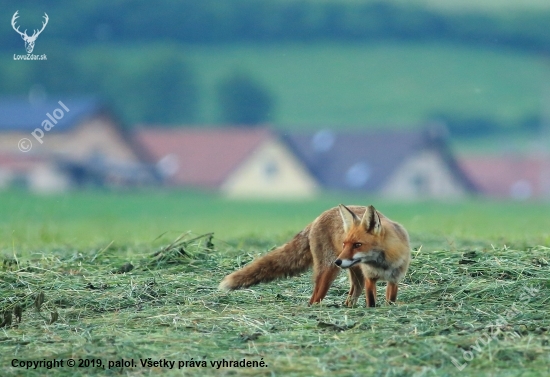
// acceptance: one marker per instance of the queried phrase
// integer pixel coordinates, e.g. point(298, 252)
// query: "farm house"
point(400, 165)
point(47, 147)
point(239, 162)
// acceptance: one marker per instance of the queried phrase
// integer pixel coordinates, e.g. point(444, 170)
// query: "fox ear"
point(348, 218)
point(371, 220)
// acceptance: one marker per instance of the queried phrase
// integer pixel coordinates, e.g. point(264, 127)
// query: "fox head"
point(362, 242)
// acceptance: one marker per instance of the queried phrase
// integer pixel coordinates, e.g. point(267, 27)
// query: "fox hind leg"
point(323, 280)
point(356, 280)
point(391, 292)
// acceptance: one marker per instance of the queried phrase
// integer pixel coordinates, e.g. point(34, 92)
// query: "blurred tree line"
point(216, 21)
point(163, 88)
point(471, 127)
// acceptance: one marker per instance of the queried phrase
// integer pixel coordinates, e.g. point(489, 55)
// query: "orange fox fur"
point(360, 239)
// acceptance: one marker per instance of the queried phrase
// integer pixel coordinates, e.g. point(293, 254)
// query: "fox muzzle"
point(346, 263)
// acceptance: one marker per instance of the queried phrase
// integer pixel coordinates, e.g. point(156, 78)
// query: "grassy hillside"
point(313, 85)
point(357, 84)
point(324, 62)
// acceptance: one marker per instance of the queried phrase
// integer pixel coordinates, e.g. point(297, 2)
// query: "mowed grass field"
point(474, 302)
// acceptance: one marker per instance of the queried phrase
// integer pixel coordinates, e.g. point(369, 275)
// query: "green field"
point(93, 218)
point(472, 262)
point(324, 84)
point(353, 85)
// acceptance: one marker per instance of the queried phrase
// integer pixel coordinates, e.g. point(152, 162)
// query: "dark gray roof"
point(18, 114)
point(364, 160)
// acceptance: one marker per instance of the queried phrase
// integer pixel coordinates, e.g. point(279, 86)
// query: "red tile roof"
point(201, 157)
point(20, 162)
point(509, 176)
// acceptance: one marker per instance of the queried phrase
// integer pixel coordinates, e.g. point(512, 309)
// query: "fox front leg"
point(370, 288)
point(356, 280)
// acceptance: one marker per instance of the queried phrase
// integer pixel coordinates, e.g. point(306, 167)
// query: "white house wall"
point(271, 171)
point(422, 176)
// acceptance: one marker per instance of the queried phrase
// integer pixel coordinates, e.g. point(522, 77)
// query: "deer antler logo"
point(29, 40)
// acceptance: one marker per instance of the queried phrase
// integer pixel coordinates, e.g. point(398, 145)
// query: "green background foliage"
point(341, 64)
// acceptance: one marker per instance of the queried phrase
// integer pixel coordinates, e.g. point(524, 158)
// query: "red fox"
point(360, 239)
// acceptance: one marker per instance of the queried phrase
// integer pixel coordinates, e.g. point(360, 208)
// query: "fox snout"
point(346, 263)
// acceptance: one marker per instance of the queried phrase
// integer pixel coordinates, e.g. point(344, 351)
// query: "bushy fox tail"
point(291, 259)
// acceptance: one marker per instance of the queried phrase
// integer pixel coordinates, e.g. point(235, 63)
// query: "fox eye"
point(357, 245)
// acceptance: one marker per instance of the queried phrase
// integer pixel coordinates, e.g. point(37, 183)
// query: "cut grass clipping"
point(469, 310)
